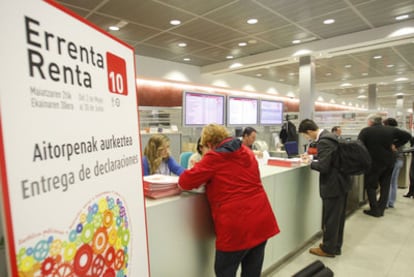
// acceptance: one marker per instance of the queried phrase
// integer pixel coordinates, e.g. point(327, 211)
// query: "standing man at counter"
point(248, 138)
point(337, 131)
point(333, 188)
point(381, 142)
point(242, 215)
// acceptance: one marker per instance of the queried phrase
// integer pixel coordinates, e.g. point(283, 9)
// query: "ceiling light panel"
point(329, 21)
point(380, 14)
point(143, 12)
point(298, 10)
point(235, 17)
point(215, 29)
point(283, 36)
point(132, 32)
point(345, 21)
point(171, 41)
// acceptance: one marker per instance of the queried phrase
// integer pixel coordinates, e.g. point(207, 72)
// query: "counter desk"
point(181, 235)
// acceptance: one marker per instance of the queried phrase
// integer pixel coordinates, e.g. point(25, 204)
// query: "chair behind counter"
point(184, 158)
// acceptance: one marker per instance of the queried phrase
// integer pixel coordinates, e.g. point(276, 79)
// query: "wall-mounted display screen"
point(350, 116)
point(200, 109)
point(271, 112)
point(242, 111)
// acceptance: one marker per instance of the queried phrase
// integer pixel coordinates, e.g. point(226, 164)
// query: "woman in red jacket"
point(242, 215)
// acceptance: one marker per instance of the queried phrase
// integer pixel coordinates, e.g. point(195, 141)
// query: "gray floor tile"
point(380, 247)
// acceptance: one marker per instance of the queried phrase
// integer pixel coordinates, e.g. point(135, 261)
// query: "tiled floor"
point(377, 247)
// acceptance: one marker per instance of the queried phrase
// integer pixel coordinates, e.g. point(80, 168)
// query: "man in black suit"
point(333, 188)
point(381, 142)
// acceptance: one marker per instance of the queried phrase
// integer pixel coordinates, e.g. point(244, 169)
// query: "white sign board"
point(71, 177)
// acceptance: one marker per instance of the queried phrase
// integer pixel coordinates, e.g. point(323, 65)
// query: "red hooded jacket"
point(242, 215)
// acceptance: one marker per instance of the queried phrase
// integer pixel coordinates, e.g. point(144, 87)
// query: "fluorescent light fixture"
point(302, 52)
point(242, 44)
point(377, 57)
point(252, 21)
point(402, 32)
point(348, 66)
point(361, 96)
point(235, 65)
point(296, 41)
point(329, 21)
point(390, 65)
point(248, 87)
point(401, 79)
point(346, 85)
point(320, 99)
point(182, 44)
point(118, 25)
point(229, 57)
point(113, 28)
point(187, 59)
point(290, 94)
point(402, 17)
point(175, 22)
point(272, 91)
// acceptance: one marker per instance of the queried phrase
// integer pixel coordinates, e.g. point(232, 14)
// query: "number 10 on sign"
point(117, 79)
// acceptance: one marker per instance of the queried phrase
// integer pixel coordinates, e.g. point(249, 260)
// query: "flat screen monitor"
point(200, 109)
point(271, 112)
point(242, 111)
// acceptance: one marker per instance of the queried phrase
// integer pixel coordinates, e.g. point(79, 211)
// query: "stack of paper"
point(158, 186)
point(284, 162)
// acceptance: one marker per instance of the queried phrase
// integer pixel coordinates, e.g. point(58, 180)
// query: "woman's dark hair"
point(199, 146)
point(248, 130)
point(390, 122)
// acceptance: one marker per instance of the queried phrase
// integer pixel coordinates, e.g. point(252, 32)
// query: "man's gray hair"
point(376, 119)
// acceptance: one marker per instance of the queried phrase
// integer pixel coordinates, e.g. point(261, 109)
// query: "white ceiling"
point(212, 30)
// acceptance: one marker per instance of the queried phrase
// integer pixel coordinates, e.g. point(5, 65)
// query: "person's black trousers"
point(333, 223)
point(378, 175)
point(251, 260)
point(411, 187)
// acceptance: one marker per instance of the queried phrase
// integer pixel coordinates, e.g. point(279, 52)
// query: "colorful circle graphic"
point(96, 245)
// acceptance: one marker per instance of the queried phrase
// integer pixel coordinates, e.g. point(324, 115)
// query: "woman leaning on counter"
point(242, 215)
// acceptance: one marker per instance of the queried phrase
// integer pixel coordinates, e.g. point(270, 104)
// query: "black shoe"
point(408, 195)
point(373, 213)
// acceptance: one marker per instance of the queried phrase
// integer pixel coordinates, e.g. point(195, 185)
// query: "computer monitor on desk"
point(291, 148)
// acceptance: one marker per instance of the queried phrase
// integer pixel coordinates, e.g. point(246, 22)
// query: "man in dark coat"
point(381, 142)
point(333, 189)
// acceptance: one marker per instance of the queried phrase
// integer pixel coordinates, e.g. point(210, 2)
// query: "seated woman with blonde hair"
point(157, 158)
